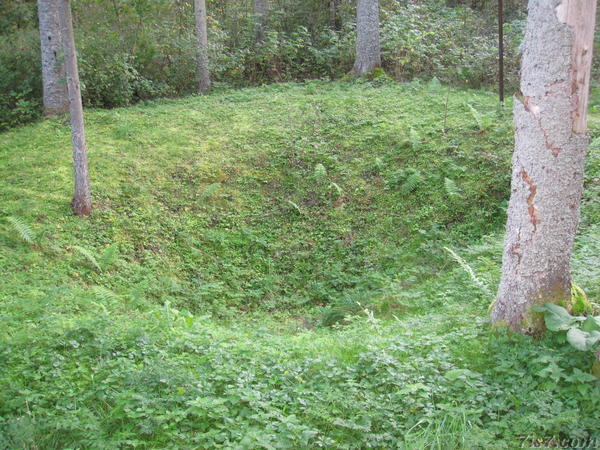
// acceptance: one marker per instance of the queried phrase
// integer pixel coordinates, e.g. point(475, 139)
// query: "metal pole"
point(501, 50)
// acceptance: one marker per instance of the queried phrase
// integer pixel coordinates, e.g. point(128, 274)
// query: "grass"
point(265, 268)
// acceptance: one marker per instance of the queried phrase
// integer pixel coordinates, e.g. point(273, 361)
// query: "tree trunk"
point(333, 14)
point(56, 101)
point(261, 9)
point(82, 200)
point(368, 53)
point(202, 38)
point(548, 162)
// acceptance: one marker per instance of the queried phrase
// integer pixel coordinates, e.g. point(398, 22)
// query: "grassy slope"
point(297, 200)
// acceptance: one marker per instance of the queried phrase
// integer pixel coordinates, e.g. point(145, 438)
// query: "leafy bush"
point(144, 50)
point(20, 79)
point(428, 39)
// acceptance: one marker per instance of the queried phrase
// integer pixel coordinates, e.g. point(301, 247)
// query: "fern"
point(451, 187)
point(24, 230)
point(337, 188)
point(89, 256)
point(320, 172)
point(415, 139)
point(484, 288)
point(105, 295)
point(210, 191)
point(477, 116)
point(411, 183)
point(109, 256)
point(295, 207)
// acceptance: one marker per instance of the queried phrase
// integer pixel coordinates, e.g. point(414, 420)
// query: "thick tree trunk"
point(202, 38)
point(56, 101)
point(548, 163)
point(82, 199)
point(368, 53)
point(261, 9)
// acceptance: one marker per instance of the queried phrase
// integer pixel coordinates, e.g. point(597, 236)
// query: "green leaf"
point(295, 207)
point(411, 183)
point(105, 295)
point(477, 116)
point(109, 256)
point(24, 230)
point(591, 324)
point(320, 172)
point(415, 139)
point(557, 318)
point(455, 374)
point(452, 188)
point(582, 340)
point(210, 191)
point(336, 187)
point(89, 256)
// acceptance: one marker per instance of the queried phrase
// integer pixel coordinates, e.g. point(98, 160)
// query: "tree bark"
point(202, 38)
point(368, 53)
point(56, 101)
point(261, 9)
point(548, 162)
point(82, 199)
point(332, 14)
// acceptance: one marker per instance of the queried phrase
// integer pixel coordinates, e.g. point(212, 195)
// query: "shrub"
point(20, 79)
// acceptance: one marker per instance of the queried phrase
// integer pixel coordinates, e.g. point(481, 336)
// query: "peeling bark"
point(82, 199)
point(56, 101)
point(368, 52)
point(548, 162)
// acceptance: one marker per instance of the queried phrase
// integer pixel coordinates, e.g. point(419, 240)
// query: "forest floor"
point(273, 268)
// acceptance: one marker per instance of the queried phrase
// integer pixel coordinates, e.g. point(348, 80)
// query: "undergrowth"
point(293, 266)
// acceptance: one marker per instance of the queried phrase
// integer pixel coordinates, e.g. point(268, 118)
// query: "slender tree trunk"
point(548, 162)
point(261, 9)
point(368, 53)
point(82, 200)
point(56, 101)
point(333, 14)
point(202, 37)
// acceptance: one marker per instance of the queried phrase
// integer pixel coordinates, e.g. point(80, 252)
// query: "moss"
point(580, 304)
point(532, 322)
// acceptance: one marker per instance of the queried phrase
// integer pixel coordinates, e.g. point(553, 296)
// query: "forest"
point(298, 224)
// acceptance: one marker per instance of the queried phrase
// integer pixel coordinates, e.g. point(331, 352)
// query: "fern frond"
point(320, 172)
point(88, 255)
point(476, 280)
point(295, 207)
point(415, 139)
point(336, 187)
point(451, 188)
point(104, 295)
point(108, 256)
point(477, 116)
point(210, 191)
point(411, 183)
point(24, 230)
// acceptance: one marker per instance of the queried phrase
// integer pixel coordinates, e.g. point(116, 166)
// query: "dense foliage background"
point(143, 49)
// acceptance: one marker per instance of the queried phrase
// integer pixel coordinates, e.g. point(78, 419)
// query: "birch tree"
point(56, 101)
point(548, 162)
point(202, 38)
point(261, 8)
point(368, 52)
point(82, 200)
